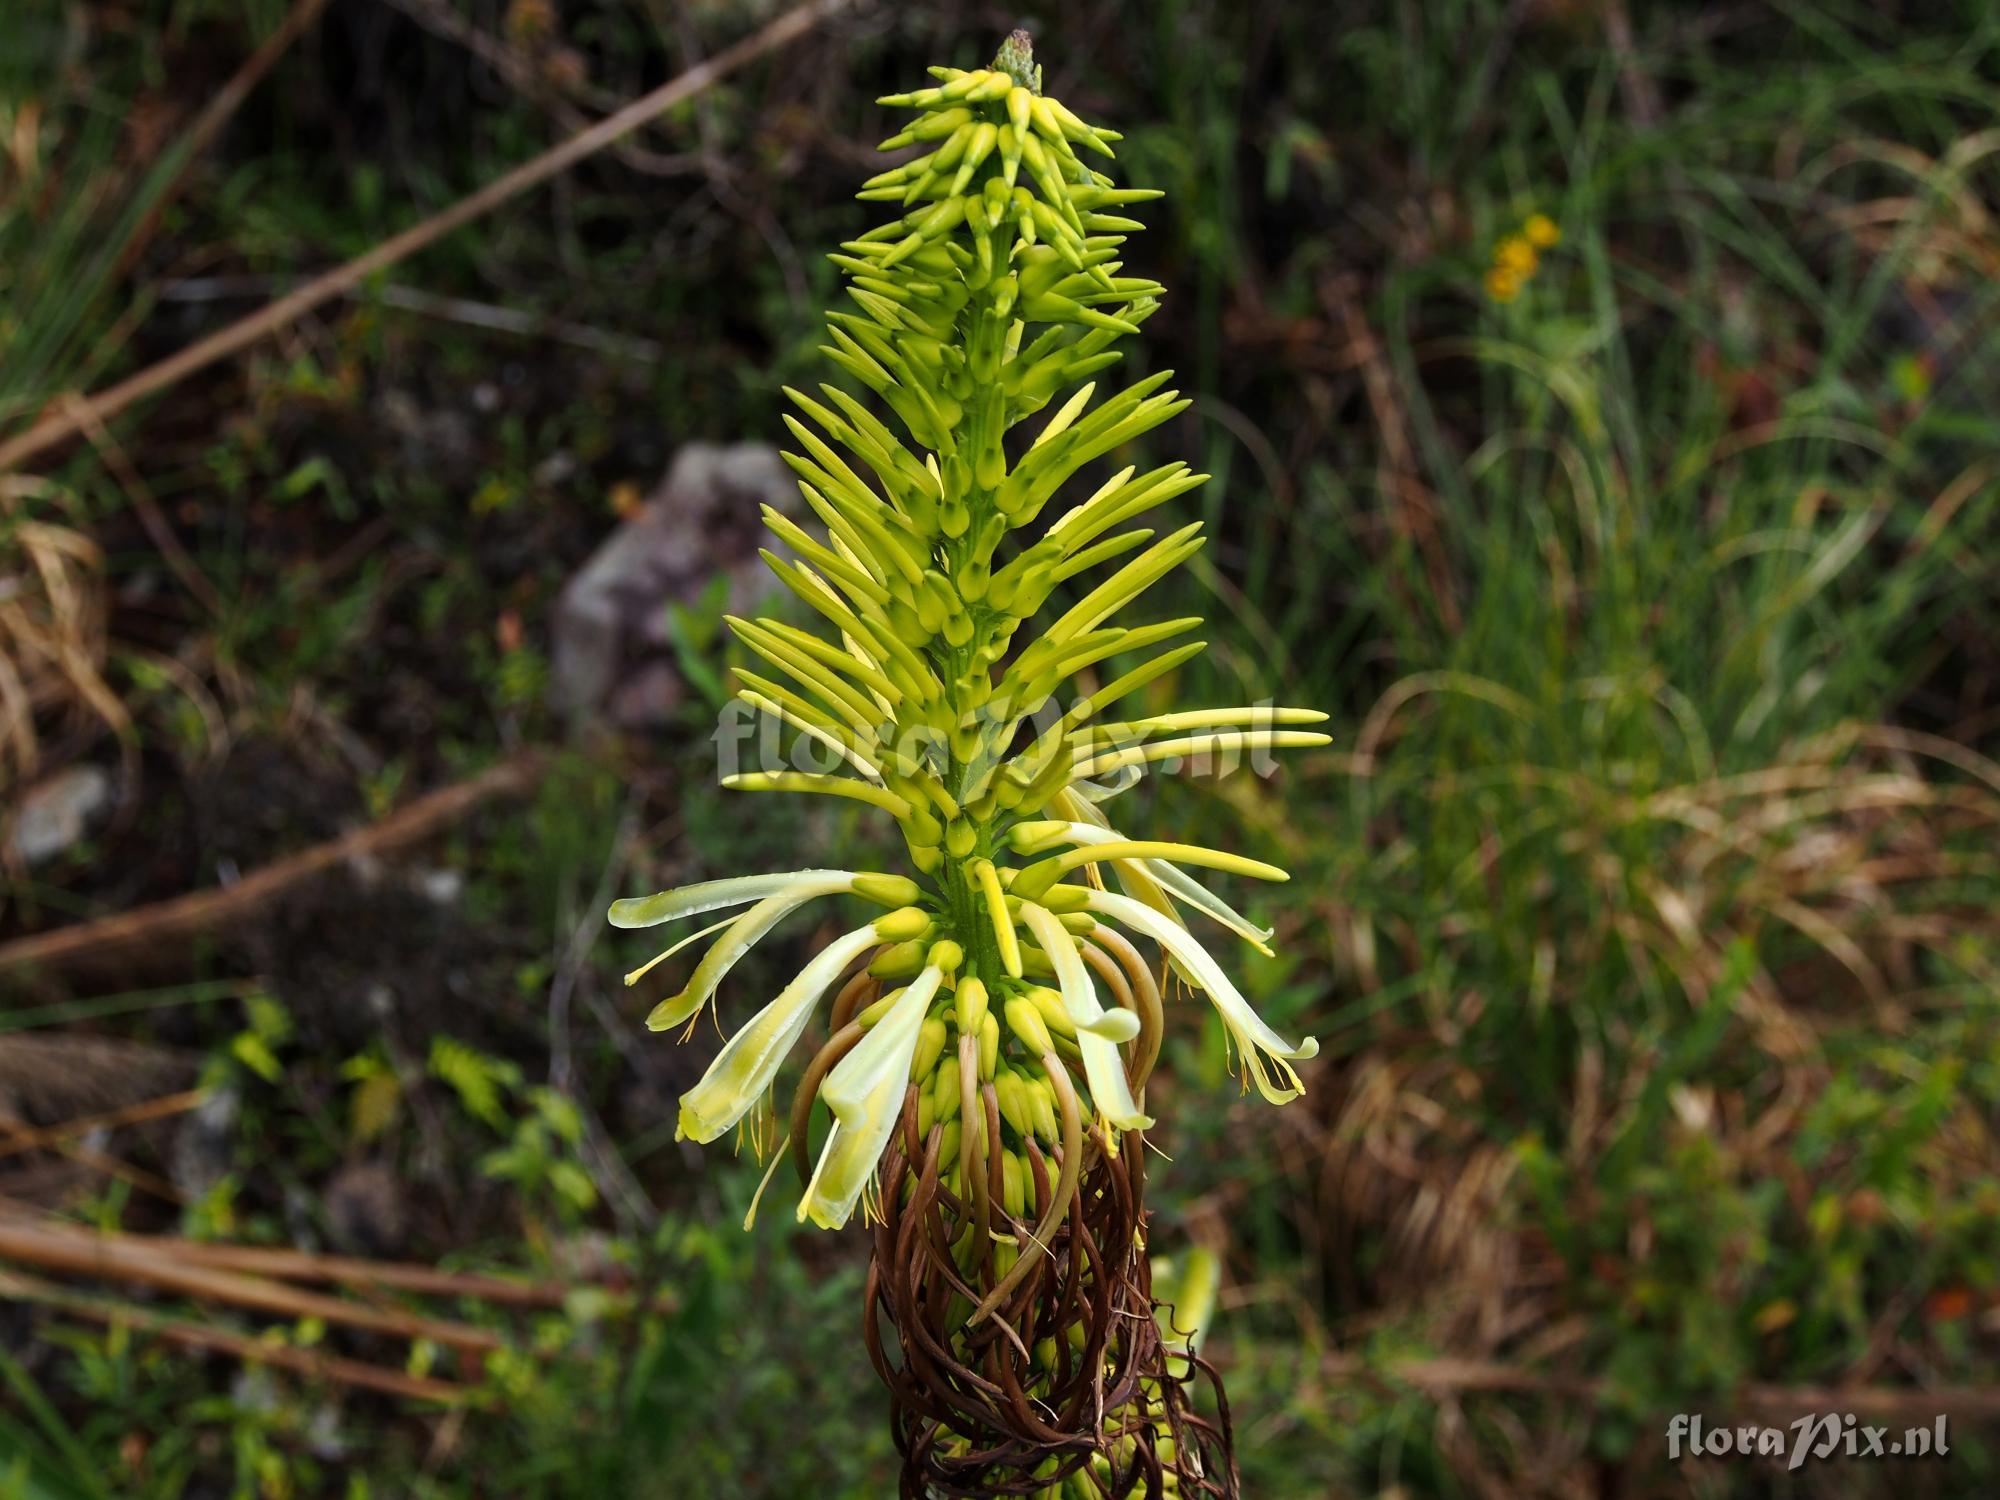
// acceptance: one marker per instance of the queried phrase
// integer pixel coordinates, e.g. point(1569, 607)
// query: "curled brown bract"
point(1065, 1376)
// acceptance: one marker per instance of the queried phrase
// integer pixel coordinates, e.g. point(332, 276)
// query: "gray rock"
point(611, 657)
point(57, 812)
point(439, 887)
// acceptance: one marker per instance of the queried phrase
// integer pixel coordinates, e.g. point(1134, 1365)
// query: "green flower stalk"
point(1003, 1018)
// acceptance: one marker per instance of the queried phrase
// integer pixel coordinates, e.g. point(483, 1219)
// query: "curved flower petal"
point(1253, 1037)
point(743, 934)
point(1185, 888)
point(688, 900)
point(1103, 1068)
point(1181, 885)
point(865, 1093)
point(748, 1062)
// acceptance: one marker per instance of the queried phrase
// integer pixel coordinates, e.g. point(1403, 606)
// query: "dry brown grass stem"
point(336, 1270)
point(130, 1258)
point(314, 1364)
point(168, 925)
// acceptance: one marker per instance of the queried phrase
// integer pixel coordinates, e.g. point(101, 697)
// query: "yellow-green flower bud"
point(1050, 1003)
point(874, 1012)
point(886, 890)
point(1020, 107)
point(1037, 837)
point(989, 1045)
point(1025, 1021)
point(1043, 1099)
point(944, 1088)
point(946, 955)
point(921, 826)
point(903, 924)
point(1013, 1109)
point(900, 961)
point(930, 1042)
point(971, 1002)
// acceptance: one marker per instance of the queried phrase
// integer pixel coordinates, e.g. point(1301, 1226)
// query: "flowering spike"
point(954, 680)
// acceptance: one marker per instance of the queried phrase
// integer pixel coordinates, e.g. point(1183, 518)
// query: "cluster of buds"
point(973, 1062)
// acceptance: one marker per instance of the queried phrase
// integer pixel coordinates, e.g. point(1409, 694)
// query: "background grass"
point(1645, 904)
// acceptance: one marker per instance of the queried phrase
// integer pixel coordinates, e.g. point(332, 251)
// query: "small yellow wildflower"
point(1515, 254)
point(1541, 231)
point(1502, 284)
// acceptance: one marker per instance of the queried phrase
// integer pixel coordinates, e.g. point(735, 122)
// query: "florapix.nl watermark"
point(1816, 1436)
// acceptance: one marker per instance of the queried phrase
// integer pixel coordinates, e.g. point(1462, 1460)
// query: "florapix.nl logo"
point(1816, 1436)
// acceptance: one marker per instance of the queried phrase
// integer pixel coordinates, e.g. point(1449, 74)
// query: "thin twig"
point(522, 74)
point(117, 1257)
point(200, 913)
point(312, 1363)
point(431, 305)
point(180, 562)
point(61, 424)
point(338, 1270)
point(109, 1166)
point(35, 1138)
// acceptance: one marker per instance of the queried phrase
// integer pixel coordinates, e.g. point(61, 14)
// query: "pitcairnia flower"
point(982, 316)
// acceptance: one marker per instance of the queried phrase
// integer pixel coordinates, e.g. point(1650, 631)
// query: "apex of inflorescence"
point(1016, 58)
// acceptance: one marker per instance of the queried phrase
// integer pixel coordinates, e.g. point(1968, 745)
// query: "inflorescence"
point(997, 1021)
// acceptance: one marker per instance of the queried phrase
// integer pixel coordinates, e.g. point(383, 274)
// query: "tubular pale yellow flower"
point(1103, 1067)
point(1254, 1039)
point(743, 1069)
point(1179, 885)
point(865, 1092)
point(1038, 877)
point(738, 939)
point(710, 895)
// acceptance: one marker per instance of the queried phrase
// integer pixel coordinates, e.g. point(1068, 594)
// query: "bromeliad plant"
point(986, 1101)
